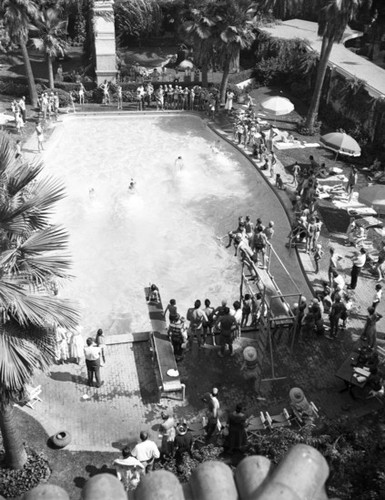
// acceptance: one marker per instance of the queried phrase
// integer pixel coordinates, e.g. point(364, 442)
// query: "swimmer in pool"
point(131, 186)
point(179, 165)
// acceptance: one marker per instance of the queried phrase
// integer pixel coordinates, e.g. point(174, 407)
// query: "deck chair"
point(32, 395)
point(257, 424)
point(303, 419)
point(280, 420)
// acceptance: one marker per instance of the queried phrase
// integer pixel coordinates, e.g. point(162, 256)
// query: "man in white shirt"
point(358, 263)
point(146, 452)
point(92, 355)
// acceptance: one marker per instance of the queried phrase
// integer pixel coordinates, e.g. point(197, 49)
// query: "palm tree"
point(334, 17)
point(198, 29)
point(136, 18)
point(52, 30)
point(32, 254)
point(17, 15)
point(234, 31)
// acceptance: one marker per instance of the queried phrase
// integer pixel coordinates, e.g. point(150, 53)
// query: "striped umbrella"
point(341, 143)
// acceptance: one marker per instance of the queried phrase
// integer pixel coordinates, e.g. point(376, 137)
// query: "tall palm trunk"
point(225, 81)
point(15, 454)
point(29, 73)
point(327, 45)
point(50, 72)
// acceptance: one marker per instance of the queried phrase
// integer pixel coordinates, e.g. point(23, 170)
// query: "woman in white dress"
point(62, 353)
point(77, 345)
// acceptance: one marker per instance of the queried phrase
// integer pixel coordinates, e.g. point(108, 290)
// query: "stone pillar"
point(104, 31)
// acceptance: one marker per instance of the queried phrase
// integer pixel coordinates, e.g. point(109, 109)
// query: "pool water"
point(168, 232)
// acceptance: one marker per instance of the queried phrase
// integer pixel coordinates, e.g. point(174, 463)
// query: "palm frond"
point(43, 267)
point(23, 350)
point(22, 175)
point(9, 223)
point(45, 193)
point(52, 238)
point(38, 43)
point(38, 309)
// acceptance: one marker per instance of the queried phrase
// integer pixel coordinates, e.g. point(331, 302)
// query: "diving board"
point(274, 300)
point(162, 348)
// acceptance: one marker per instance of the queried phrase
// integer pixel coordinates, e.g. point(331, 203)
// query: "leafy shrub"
point(15, 482)
point(300, 89)
point(303, 129)
point(97, 95)
point(189, 463)
point(241, 76)
point(64, 97)
point(128, 96)
point(13, 88)
point(282, 61)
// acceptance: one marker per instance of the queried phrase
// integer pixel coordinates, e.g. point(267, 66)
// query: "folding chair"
point(257, 424)
point(280, 420)
point(32, 395)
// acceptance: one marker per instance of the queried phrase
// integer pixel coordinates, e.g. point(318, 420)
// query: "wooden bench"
point(162, 349)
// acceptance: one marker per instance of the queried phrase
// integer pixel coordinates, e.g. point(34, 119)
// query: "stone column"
point(104, 31)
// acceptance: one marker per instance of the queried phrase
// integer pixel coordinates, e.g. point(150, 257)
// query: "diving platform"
point(276, 317)
point(162, 349)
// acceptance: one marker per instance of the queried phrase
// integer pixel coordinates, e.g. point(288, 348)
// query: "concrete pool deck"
point(127, 403)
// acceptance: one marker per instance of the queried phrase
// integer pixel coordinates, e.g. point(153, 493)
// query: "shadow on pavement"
point(145, 369)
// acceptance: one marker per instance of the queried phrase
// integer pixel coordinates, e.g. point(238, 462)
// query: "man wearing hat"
point(183, 443)
point(128, 469)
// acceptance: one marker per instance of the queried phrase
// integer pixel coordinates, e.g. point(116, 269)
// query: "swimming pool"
point(167, 232)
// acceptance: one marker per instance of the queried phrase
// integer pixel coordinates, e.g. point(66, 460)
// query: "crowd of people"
point(178, 439)
point(221, 325)
point(70, 347)
point(163, 97)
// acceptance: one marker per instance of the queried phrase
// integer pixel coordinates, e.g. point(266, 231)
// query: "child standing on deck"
point(318, 254)
point(172, 310)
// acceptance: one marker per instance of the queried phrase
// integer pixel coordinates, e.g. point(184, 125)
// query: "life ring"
point(61, 439)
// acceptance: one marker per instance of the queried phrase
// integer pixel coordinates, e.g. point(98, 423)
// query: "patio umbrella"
point(278, 106)
point(186, 64)
point(374, 197)
point(341, 143)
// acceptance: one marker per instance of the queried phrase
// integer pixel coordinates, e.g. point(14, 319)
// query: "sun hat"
point(181, 429)
point(296, 395)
